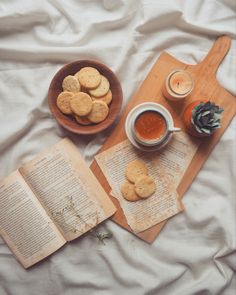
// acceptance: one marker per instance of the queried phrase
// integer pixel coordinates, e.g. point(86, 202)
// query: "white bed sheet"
point(195, 253)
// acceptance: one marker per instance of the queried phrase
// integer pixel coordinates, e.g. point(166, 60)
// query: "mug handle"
point(174, 129)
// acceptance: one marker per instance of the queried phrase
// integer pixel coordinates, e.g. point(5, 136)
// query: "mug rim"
point(128, 123)
point(151, 142)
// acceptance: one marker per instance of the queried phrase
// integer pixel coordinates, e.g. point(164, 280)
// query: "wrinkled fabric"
point(196, 251)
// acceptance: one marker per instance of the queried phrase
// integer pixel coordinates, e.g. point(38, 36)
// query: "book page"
point(68, 190)
point(24, 224)
point(166, 167)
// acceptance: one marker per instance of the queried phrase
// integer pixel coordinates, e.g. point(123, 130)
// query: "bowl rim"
point(82, 129)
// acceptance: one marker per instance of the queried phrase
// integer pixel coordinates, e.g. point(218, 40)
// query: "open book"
point(50, 200)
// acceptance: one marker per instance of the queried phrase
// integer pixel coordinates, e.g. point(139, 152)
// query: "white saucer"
point(129, 122)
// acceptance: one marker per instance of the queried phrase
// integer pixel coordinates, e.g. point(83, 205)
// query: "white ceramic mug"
point(143, 143)
point(157, 141)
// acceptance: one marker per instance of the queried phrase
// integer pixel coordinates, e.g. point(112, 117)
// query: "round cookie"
point(107, 98)
point(88, 77)
point(99, 111)
point(81, 104)
point(135, 169)
point(144, 186)
point(63, 102)
point(82, 120)
point(128, 192)
point(70, 83)
point(102, 88)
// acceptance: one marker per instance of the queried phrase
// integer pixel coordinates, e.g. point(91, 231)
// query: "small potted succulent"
point(202, 118)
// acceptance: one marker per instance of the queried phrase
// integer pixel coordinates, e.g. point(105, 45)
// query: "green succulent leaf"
point(207, 131)
point(206, 117)
point(205, 113)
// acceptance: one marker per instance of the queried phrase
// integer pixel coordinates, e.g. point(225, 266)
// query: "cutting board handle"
point(217, 53)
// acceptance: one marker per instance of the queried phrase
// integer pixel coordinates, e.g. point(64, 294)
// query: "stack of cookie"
point(86, 96)
point(138, 184)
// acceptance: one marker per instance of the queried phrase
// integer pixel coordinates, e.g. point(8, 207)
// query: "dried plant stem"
point(70, 207)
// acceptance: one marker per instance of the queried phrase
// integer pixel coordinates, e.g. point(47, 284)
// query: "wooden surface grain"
point(206, 87)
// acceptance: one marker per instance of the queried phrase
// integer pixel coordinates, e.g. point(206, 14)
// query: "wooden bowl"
point(69, 122)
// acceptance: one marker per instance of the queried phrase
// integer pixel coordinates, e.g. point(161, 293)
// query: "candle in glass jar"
point(178, 85)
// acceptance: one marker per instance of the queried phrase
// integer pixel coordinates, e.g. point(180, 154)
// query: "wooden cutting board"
point(206, 87)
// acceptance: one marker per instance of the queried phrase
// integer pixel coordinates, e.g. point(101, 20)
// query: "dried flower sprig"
point(101, 236)
point(70, 207)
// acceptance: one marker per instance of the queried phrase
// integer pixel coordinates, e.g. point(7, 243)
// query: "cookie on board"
point(81, 104)
point(83, 120)
point(144, 186)
point(128, 192)
point(102, 88)
point(88, 77)
point(135, 169)
point(70, 83)
point(107, 98)
point(99, 111)
point(63, 102)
